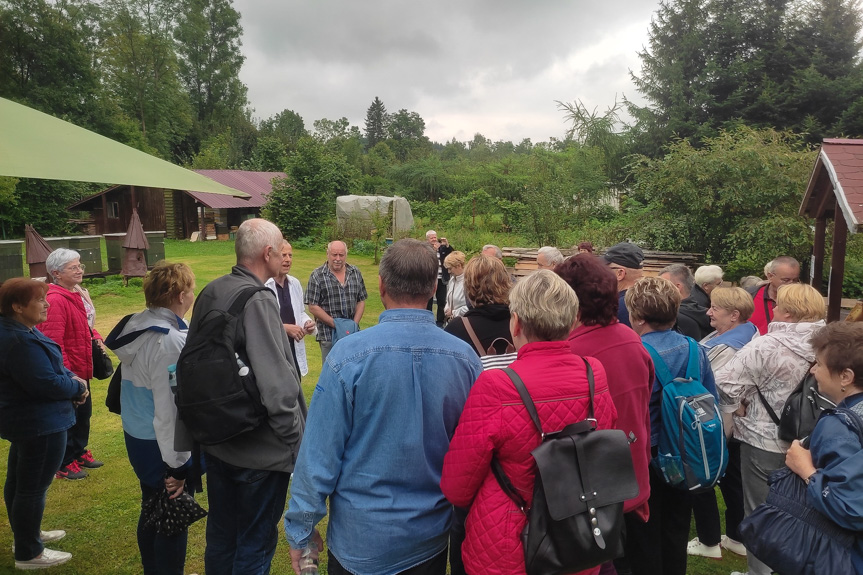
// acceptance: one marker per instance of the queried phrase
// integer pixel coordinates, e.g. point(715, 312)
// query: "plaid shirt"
point(338, 300)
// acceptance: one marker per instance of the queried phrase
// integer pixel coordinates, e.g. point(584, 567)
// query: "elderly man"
point(248, 475)
point(442, 249)
point(625, 260)
point(707, 278)
point(547, 257)
point(336, 290)
point(289, 294)
point(781, 271)
point(492, 251)
point(692, 317)
point(383, 413)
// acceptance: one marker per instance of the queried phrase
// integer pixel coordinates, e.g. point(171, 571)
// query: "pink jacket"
point(495, 422)
point(630, 379)
point(67, 325)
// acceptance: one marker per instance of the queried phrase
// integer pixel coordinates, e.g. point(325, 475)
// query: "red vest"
point(763, 313)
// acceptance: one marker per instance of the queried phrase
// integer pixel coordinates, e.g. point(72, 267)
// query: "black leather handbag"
point(102, 366)
point(802, 410)
point(583, 477)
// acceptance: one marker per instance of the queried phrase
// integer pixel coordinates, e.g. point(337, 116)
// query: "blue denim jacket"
point(673, 348)
point(36, 390)
point(381, 419)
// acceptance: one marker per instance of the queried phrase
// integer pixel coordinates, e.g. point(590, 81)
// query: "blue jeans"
point(33, 461)
point(245, 508)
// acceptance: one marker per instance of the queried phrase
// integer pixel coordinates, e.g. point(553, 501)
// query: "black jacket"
point(490, 322)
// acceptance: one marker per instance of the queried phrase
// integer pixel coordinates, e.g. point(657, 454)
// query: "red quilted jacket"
point(495, 422)
point(67, 325)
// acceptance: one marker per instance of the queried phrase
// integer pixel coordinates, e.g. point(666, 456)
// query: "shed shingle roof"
point(842, 161)
point(257, 184)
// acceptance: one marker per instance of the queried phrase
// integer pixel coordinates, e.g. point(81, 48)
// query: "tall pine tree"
point(376, 123)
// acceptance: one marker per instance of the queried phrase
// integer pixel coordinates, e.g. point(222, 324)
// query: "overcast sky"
point(466, 66)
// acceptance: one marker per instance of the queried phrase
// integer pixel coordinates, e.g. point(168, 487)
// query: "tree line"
point(737, 94)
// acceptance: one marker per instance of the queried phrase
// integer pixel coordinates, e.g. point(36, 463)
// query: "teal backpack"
point(692, 453)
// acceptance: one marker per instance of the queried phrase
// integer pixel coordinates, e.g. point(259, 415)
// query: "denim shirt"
point(673, 348)
point(381, 419)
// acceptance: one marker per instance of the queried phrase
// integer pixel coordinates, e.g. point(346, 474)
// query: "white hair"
point(253, 236)
point(329, 245)
point(59, 259)
point(497, 253)
point(430, 233)
point(708, 275)
point(552, 255)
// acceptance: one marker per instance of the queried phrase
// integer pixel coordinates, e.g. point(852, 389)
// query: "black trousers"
point(440, 296)
point(434, 566)
point(658, 546)
point(706, 510)
point(78, 435)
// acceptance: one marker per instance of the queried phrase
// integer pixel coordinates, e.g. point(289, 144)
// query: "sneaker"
point(696, 547)
point(86, 460)
point(48, 558)
point(739, 573)
point(48, 536)
point(71, 471)
point(733, 546)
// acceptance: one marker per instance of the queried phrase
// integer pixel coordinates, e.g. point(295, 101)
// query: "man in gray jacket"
point(248, 475)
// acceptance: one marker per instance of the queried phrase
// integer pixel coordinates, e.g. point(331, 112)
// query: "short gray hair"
point(786, 260)
point(253, 236)
point(408, 270)
point(552, 255)
point(329, 245)
point(708, 275)
point(497, 253)
point(59, 259)
point(430, 233)
point(546, 305)
point(681, 273)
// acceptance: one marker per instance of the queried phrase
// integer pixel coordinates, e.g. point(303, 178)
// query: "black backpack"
point(217, 397)
point(802, 410)
point(583, 476)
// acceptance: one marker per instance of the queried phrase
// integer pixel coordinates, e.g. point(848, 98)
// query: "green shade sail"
point(36, 145)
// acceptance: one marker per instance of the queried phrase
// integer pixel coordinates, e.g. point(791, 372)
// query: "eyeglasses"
point(73, 268)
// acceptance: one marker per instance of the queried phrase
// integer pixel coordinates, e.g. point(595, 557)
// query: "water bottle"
point(244, 369)
point(172, 377)
point(308, 564)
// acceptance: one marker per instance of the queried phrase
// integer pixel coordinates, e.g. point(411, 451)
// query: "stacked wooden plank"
point(654, 261)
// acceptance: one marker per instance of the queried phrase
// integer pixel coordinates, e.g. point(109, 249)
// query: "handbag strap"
point(476, 343)
point(769, 409)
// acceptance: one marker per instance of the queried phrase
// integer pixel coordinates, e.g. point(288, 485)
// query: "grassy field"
point(100, 513)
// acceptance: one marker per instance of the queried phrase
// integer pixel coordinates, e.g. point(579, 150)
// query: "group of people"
point(397, 444)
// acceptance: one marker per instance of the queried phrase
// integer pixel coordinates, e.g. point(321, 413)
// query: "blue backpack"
point(693, 453)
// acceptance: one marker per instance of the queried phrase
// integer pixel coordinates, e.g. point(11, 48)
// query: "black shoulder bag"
point(583, 476)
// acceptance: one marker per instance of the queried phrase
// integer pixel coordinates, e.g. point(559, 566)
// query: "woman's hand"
point(799, 460)
point(174, 486)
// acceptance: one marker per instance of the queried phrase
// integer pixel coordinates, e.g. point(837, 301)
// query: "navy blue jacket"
point(36, 390)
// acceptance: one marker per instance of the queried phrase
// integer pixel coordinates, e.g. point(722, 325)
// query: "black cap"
point(624, 254)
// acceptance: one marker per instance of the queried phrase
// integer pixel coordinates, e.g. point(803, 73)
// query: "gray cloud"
point(494, 67)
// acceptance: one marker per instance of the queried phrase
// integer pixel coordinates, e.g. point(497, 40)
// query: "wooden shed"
point(178, 213)
point(835, 191)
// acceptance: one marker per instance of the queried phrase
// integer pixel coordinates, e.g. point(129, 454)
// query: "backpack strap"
point(770, 411)
point(766, 299)
point(240, 302)
point(472, 334)
point(693, 369)
point(525, 398)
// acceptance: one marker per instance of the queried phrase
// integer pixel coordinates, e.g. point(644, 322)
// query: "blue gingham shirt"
point(338, 300)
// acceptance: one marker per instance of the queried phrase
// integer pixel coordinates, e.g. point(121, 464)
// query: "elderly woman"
point(37, 394)
point(597, 333)
point(831, 467)
point(456, 305)
point(544, 309)
point(729, 313)
point(486, 285)
point(764, 373)
point(71, 324)
point(148, 345)
point(659, 546)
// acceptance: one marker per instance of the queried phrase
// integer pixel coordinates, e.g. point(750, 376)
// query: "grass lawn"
point(100, 512)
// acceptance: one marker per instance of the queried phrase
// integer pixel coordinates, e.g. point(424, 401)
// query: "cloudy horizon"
point(489, 67)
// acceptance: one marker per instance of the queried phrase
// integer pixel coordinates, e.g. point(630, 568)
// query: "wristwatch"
point(808, 479)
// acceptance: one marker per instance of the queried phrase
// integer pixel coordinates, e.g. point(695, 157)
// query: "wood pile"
point(654, 261)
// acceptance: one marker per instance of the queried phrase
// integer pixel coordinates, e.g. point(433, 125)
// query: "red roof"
point(839, 169)
point(257, 184)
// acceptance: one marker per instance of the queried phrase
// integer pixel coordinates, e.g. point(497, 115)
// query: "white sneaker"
point(733, 546)
point(696, 547)
point(48, 558)
point(739, 573)
point(49, 536)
